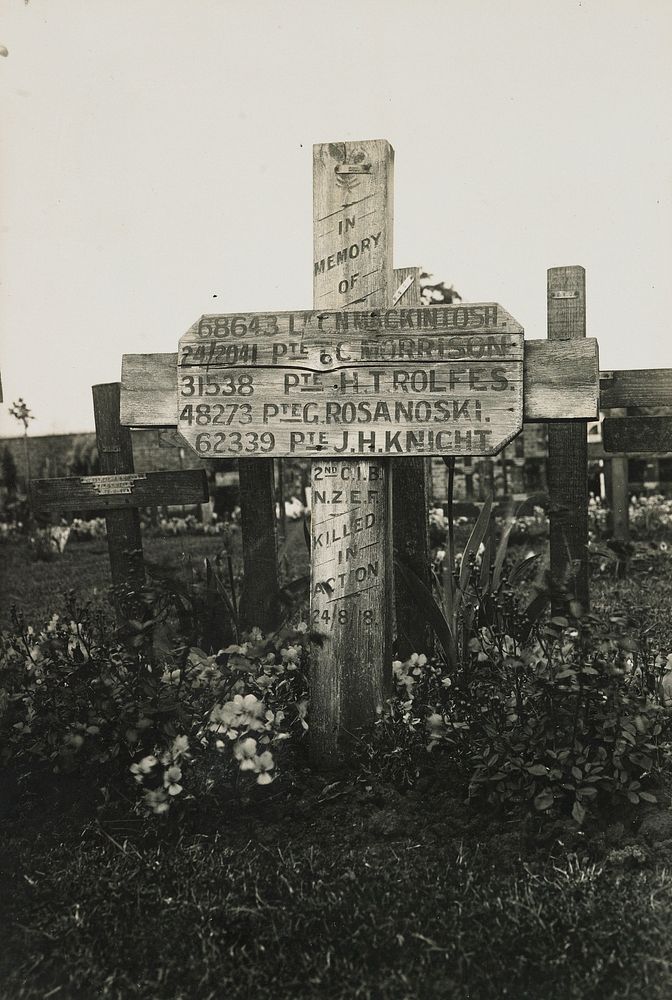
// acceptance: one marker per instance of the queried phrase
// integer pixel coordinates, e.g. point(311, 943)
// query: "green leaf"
point(578, 812)
point(295, 590)
point(538, 769)
point(634, 797)
point(501, 552)
point(485, 565)
point(474, 542)
point(430, 609)
point(521, 568)
point(648, 797)
point(544, 800)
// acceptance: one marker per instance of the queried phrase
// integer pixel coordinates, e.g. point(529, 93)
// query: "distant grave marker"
point(120, 492)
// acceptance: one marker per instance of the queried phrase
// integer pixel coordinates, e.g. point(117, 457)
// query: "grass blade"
point(431, 609)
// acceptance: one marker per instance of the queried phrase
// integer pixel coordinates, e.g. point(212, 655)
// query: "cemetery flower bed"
point(447, 829)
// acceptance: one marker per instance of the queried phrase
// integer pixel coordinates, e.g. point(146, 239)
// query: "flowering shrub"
point(48, 543)
point(651, 518)
point(85, 531)
point(438, 526)
point(187, 525)
point(75, 698)
point(10, 531)
point(598, 518)
point(261, 701)
point(576, 714)
point(530, 527)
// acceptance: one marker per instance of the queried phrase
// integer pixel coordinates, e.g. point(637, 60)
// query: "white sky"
point(157, 153)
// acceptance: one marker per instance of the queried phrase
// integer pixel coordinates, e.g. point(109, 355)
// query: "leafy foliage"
point(572, 715)
point(75, 697)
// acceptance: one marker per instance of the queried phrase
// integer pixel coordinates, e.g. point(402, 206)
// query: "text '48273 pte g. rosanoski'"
point(399, 381)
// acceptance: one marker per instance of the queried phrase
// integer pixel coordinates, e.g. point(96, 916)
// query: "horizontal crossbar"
point(639, 387)
point(134, 489)
point(647, 435)
point(561, 383)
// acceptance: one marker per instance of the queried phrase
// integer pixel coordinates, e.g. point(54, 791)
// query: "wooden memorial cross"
point(351, 384)
point(568, 447)
point(348, 383)
point(119, 491)
point(624, 435)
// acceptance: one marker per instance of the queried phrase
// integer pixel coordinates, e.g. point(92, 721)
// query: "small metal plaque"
point(108, 485)
point(564, 295)
point(353, 168)
point(403, 288)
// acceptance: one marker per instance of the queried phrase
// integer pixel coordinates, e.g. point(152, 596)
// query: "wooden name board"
point(422, 381)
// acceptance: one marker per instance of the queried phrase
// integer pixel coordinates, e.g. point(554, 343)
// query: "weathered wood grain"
point(561, 382)
point(648, 435)
point(124, 541)
point(301, 338)
point(351, 558)
point(618, 495)
point(149, 390)
point(354, 382)
point(259, 602)
point(638, 387)
point(410, 503)
point(470, 409)
point(115, 492)
point(568, 446)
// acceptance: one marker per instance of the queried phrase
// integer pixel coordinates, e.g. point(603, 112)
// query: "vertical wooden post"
point(124, 541)
point(410, 508)
point(568, 446)
point(351, 580)
point(282, 516)
point(618, 492)
point(259, 602)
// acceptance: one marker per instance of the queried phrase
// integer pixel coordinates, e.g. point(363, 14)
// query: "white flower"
point(245, 752)
point(180, 746)
point(262, 765)
point(157, 801)
point(170, 780)
point(240, 713)
point(143, 767)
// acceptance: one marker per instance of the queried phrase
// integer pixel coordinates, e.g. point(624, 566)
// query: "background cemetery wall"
point(519, 471)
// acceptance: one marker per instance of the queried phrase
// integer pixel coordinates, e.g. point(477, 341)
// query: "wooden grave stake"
point(410, 506)
point(259, 601)
point(568, 446)
point(120, 492)
point(616, 482)
point(351, 600)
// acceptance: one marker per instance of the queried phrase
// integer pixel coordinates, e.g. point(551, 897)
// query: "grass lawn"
point(39, 587)
point(329, 889)
point(370, 894)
